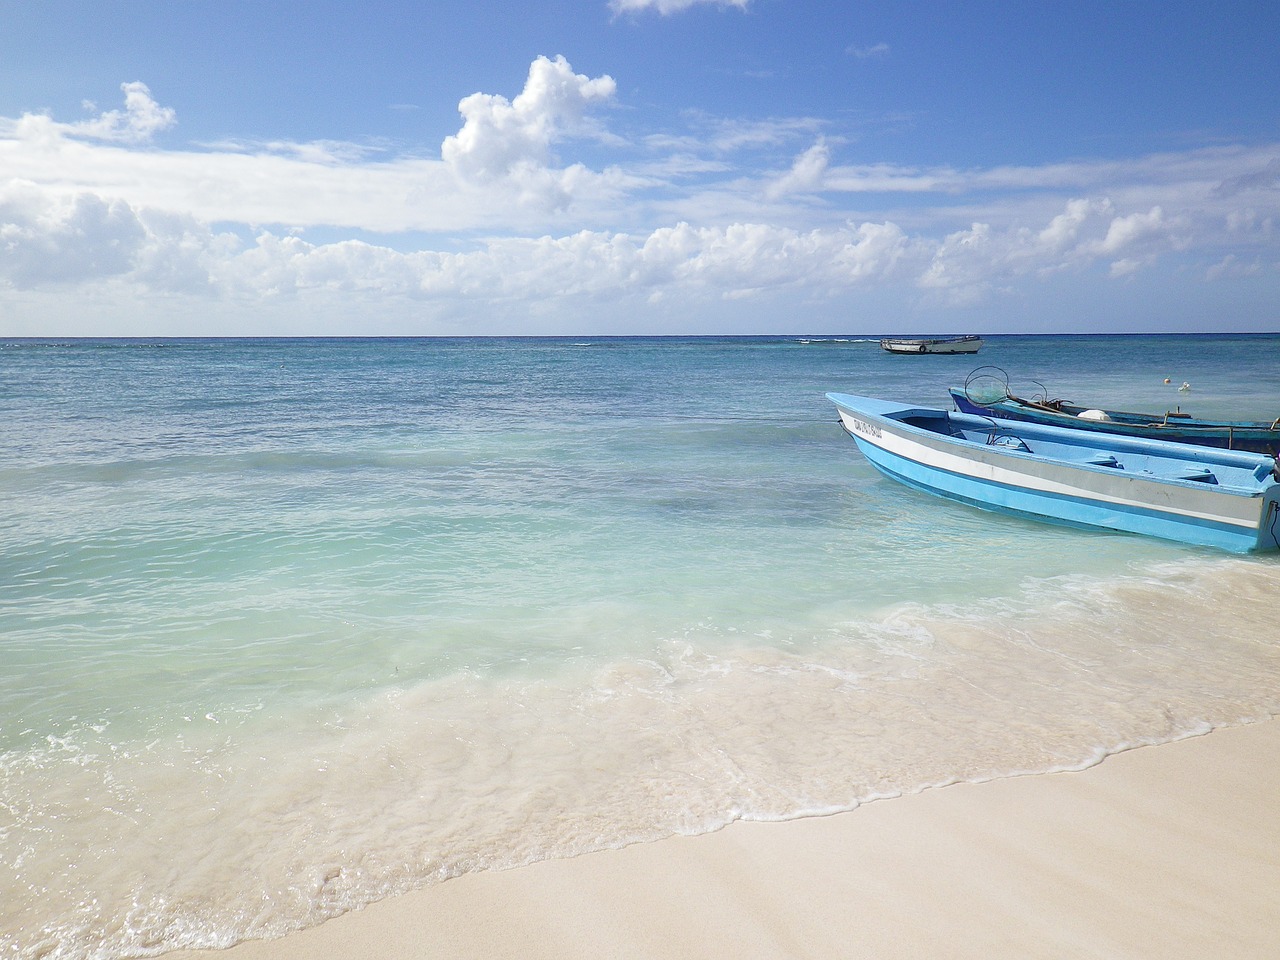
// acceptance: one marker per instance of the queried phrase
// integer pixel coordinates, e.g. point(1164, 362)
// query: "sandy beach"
point(1170, 851)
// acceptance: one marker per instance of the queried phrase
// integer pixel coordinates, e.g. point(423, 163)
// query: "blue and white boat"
point(1200, 495)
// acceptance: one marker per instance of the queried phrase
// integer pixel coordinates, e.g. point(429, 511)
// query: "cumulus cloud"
point(964, 264)
point(1125, 232)
point(1063, 231)
point(969, 264)
point(141, 118)
point(716, 263)
point(499, 136)
point(49, 240)
point(498, 171)
point(46, 239)
point(722, 209)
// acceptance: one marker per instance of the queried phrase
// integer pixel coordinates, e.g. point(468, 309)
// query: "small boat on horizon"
point(987, 394)
point(917, 345)
point(1192, 494)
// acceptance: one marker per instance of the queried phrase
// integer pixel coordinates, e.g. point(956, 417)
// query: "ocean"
point(291, 626)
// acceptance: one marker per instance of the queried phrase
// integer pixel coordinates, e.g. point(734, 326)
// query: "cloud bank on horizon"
point(540, 216)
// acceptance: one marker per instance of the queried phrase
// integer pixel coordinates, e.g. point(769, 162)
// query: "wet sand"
point(1170, 852)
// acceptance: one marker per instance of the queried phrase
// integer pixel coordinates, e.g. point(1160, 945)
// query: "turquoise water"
point(287, 626)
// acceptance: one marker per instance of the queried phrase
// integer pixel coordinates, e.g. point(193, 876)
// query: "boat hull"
point(1021, 482)
point(1251, 437)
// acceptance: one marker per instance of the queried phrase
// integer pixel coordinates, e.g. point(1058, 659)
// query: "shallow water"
point(289, 626)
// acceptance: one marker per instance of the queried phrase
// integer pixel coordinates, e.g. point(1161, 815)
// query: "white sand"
point(1165, 852)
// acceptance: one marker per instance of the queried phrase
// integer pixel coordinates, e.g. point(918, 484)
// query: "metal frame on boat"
point(1198, 495)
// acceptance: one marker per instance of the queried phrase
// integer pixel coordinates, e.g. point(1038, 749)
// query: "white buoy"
point(1185, 387)
point(1099, 415)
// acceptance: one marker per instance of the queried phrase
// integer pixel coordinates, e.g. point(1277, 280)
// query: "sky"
point(598, 167)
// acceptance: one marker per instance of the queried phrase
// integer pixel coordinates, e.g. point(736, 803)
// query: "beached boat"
point(931, 344)
point(1200, 495)
point(1257, 436)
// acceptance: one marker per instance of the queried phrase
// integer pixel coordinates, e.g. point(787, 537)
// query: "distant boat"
point(987, 394)
point(931, 345)
point(1193, 494)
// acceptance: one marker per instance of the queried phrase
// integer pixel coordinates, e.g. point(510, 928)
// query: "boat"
point(1207, 496)
point(985, 394)
point(931, 344)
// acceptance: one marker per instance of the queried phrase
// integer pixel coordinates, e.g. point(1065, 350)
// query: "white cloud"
point(496, 171)
point(964, 264)
point(877, 249)
point(46, 239)
point(1248, 222)
point(723, 136)
point(1063, 232)
point(141, 119)
point(869, 52)
point(668, 7)
point(680, 260)
point(1231, 267)
point(970, 264)
point(805, 175)
point(500, 136)
point(734, 210)
point(890, 178)
point(1265, 178)
point(50, 240)
point(1124, 232)
point(1125, 267)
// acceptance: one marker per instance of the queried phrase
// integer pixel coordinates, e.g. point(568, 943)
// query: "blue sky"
point(638, 166)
